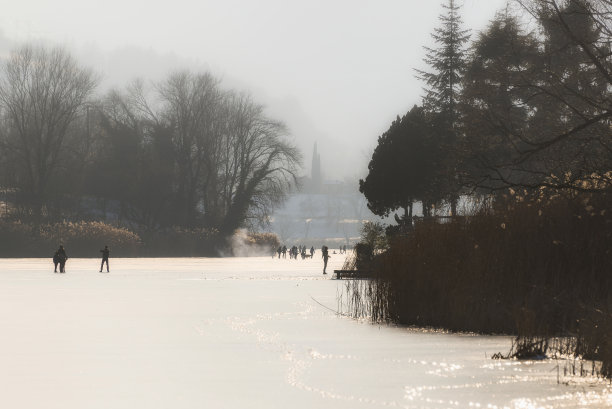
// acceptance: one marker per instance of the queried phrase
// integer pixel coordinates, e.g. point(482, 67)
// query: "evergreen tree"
point(443, 85)
point(447, 62)
point(503, 58)
point(403, 168)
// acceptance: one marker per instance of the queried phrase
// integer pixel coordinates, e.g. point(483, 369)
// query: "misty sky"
point(336, 71)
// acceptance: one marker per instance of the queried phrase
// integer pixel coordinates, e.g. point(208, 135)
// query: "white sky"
point(336, 71)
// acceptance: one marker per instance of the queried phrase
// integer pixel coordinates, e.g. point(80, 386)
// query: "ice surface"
point(239, 333)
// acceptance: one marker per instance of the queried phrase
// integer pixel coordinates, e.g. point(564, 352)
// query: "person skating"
point(325, 255)
point(105, 254)
point(62, 257)
point(56, 260)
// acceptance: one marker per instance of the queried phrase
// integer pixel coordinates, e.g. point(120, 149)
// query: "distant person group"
point(294, 252)
point(60, 258)
point(302, 251)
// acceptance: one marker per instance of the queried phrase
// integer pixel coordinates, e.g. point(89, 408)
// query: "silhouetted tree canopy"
point(181, 152)
point(204, 156)
point(537, 107)
point(404, 167)
point(42, 95)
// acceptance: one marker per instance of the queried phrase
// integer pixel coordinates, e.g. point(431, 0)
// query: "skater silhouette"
point(56, 260)
point(325, 256)
point(105, 253)
point(61, 258)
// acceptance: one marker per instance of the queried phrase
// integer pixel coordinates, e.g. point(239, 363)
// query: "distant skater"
point(56, 260)
point(105, 253)
point(325, 255)
point(61, 258)
point(312, 251)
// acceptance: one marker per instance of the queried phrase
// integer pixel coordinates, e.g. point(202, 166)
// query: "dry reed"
point(536, 265)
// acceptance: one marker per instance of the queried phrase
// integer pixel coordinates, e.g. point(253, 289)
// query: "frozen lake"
point(239, 333)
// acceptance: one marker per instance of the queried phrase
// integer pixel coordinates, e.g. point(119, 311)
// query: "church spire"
point(315, 172)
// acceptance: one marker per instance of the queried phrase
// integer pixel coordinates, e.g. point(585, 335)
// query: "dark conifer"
point(447, 63)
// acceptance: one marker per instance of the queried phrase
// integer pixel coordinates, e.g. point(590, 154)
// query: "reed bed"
point(86, 238)
point(81, 239)
point(535, 265)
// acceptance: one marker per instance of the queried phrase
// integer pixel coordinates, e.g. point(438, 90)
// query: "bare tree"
point(42, 93)
point(190, 104)
point(231, 164)
point(260, 167)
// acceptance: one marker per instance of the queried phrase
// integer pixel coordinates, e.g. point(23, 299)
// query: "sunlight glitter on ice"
point(154, 330)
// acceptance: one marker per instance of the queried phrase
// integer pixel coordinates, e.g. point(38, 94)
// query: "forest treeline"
point(178, 154)
point(510, 154)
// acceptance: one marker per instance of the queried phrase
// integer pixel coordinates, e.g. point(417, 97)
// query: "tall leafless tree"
point(261, 166)
point(189, 106)
point(232, 164)
point(42, 93)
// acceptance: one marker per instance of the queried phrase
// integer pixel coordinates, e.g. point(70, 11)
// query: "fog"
point(335, 72)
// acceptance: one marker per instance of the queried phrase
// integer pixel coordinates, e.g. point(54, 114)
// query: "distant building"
point(316, 178)
point(321, 211)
